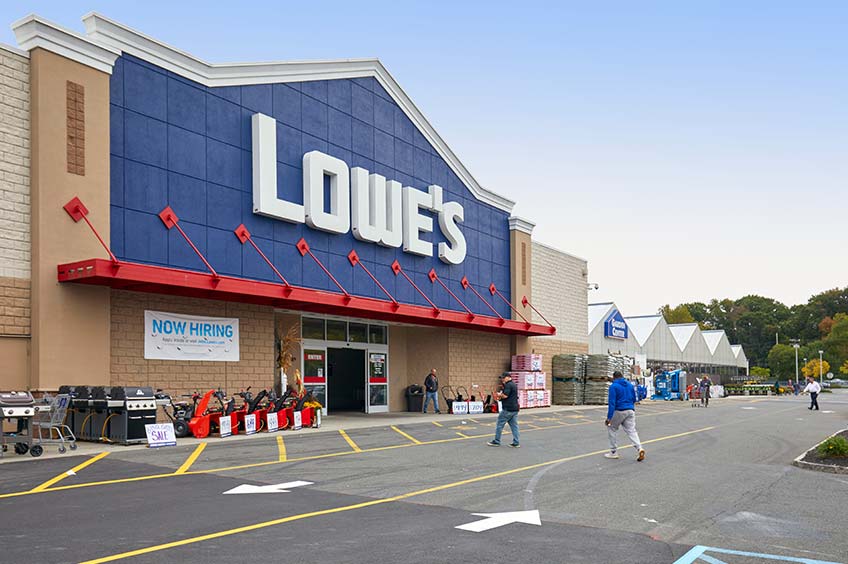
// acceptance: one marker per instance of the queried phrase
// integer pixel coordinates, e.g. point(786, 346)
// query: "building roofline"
point(117, 36)
point(552, 248)
point(33, 31)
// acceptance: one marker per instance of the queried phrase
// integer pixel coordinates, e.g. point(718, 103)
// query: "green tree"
point(781, 361)
point(760, 372)
point(679, 314)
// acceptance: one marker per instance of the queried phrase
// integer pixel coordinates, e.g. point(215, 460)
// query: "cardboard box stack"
point(530, 380)
point(599, 371)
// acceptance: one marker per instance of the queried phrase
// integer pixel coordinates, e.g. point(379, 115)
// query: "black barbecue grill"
point(21, 407)
point(130, 409)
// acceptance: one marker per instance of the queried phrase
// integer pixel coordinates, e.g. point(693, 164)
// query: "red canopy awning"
point(161, 280)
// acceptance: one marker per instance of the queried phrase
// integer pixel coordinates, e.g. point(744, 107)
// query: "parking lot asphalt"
point(718, 477)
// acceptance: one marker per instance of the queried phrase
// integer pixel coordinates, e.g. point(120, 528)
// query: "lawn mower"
point(449, 395)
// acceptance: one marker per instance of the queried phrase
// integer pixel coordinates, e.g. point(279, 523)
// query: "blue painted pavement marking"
point(698, 553)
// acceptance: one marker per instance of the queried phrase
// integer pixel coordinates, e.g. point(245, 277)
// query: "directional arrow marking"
point(494, 520)
point(274, 488)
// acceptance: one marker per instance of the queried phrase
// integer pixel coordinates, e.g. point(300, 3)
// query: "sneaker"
point(515, 445)
point(437, 411)
point(613, 455)
point(493, 443)
point(641, 456)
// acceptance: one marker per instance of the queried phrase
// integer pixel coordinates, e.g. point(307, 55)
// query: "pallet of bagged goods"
point(569, 371)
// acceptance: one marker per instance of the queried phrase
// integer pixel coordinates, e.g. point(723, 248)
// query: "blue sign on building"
point(178, 143)
point(615, 327)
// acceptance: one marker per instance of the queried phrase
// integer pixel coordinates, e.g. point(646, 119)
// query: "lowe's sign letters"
point(377, 210)
point(615, 327)
point(170, 336)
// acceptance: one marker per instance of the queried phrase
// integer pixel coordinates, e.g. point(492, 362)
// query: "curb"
point(815, 466)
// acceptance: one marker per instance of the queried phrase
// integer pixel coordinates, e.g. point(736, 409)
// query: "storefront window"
point(336, 330)
point(378, 395)
point(377, 334)
point(319, 393)
point(314, 363)
point(357, 332)
point(313, 328)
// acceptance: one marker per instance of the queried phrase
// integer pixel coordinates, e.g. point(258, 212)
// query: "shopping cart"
point(694, 393)
point(48, 426)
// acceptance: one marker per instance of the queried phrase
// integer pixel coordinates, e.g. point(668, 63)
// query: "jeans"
point(627, 420)
point(431, 396)
point(505, 417)
point(814, 400)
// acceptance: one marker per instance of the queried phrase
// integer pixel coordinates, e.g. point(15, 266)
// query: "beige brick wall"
point(559, 292)
point(14, 165)
point(477, 358)
point(15, 302)
point(129, 367)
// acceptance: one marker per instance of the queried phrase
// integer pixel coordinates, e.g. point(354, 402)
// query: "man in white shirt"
point(813, 388)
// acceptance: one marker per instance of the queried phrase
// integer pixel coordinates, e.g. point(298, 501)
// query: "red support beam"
point(495, 292)
point(77, 210)
point(397, 269)
point(525, 302)
point(244, 236)
point(170, 219)
point(435, 278)
point(303, 248)
point(188, 283)
point(354, 260)
point(466, 285)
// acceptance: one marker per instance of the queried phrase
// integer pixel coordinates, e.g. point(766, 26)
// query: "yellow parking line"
point(463, 436)
point(362, 505)
point(352, 444)
point(281, 447)
point(437, 424)
point(401, 433)
point(71, 472)
point(191, 458)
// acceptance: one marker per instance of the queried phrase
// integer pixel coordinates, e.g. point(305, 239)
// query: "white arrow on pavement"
point(274, 488)
point(494, 520)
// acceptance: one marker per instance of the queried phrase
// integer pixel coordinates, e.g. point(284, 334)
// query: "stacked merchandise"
point(569, 372)
point(599, 370)
point(530, 381)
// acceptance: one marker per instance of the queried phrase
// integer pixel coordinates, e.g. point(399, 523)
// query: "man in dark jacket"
point(431, 389)
point(705, 391)
point(622, 412)
point(509, 412)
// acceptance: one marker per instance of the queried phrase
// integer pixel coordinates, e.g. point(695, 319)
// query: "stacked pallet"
point(599, 374)
point(569, 373)
point(526, 362)
point(596, 392)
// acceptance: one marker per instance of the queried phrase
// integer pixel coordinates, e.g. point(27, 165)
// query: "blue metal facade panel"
point(175, 142)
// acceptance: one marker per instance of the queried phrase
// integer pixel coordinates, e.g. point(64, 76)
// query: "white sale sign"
point(273, 422)
point(225, 424)
point(460, 408)
point(475, 407)
point(171, 336)
point(250, 424)
point(160, 435)
point(298, 420)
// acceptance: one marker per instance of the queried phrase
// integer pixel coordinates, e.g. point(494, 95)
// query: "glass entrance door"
point(378, 381)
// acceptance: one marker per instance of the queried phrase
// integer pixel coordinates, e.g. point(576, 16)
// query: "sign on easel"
point(160, 435)
point(273, 422)
point(250, 424)
point(298, 421)
point(225, 426)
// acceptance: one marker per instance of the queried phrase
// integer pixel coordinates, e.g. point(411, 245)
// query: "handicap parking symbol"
point(714, 555)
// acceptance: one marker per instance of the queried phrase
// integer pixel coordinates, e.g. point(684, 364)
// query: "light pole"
point(796, 346)
point(821, 380)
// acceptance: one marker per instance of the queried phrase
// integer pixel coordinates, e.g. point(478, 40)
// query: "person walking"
point(796, 387)
point(813, 388)
point(508, 413)
point(705, 391)
point(622, 413)
point(431, 389)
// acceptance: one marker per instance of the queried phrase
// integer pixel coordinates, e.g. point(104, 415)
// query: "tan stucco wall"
point(129, 367)
point(70, 324)
point(15, 354)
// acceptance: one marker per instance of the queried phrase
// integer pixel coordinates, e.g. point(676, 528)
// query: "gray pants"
point(627, 420)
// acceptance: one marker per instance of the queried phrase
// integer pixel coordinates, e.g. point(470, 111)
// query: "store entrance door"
point(346, 380)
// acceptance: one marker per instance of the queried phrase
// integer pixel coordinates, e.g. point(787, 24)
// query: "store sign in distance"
point(376, 209)
point(615, 327)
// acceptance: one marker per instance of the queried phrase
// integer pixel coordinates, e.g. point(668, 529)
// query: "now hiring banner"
point(171, 336)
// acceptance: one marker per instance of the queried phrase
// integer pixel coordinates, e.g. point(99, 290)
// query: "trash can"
point(414, 398)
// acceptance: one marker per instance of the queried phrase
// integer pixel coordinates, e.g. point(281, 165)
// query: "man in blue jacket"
point(621, 412)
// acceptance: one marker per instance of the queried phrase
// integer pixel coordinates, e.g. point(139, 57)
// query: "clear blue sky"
point(688, 150)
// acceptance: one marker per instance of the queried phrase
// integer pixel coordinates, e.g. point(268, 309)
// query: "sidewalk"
point(329, 424)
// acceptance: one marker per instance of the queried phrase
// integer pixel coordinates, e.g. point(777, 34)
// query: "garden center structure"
point(656, 345)
point(166, 222)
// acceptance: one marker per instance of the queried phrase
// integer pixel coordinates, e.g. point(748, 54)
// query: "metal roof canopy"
point(161, 280)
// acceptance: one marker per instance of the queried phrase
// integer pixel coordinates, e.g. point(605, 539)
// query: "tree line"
point(767, 330)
